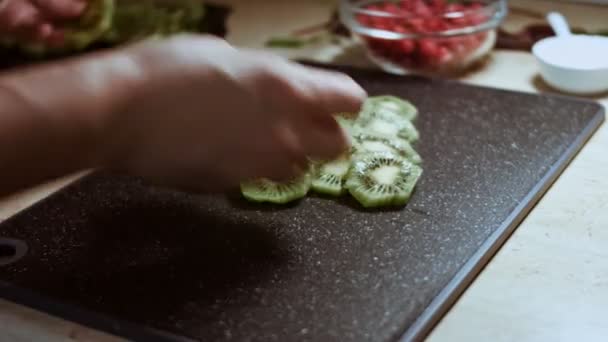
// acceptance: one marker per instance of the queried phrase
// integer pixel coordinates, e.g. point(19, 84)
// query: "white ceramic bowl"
point(575, 64)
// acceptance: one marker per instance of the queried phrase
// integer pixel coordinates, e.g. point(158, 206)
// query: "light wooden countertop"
point(549, 282)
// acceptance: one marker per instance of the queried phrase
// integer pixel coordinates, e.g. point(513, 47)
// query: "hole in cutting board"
point(11, 250)
point(7, 251)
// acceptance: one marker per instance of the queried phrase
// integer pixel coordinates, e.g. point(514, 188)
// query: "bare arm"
point(190, 112)
point(53, 117)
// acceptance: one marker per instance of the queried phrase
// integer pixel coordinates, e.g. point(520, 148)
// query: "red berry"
point(428, 47)
point(397, 53)
point(400, 29)
point(469, 41)
point(417, 25)
point(364, 19)
point(444, 55)
point(381, 23)
point(435, 25)
point(477, 18)
point(422, 10)
point(459, 48)
point(459, 22)
point(392, 8)
point(438, 6)
point(450, 43)
point(454, 8)
point(407, 46)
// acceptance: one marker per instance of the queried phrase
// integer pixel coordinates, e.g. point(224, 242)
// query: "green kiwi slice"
point(382, 179)
point(387, 125)
point(329, 177)
point(368, 143)
point(135, 20)
point(381, 169)
point(348, 123)
point(265, 190)
point(345, 122)
point(93, 24)
point(390, 104)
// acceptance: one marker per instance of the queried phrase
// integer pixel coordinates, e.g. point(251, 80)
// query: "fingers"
point(321, 95)
point(291, 144)
point(19, 19)
point(334, 92)
point(53, 11)
point(276, 155)
point(308, 98)
point(289, 148)
point(61, 9)
point(327, 91)
point(24, 20)
point(325, 145)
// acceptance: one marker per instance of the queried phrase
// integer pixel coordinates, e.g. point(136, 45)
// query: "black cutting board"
point(137, 261)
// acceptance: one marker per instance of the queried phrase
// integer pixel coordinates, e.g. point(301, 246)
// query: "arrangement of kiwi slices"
point(381, 169)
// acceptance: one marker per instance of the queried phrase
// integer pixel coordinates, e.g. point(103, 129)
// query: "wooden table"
point(550, 280)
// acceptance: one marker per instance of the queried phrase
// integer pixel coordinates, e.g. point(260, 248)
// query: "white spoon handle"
point(558, 24)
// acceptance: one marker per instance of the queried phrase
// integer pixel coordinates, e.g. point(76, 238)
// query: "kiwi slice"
point(381, 168)
point(367, 143)
point(135, 20)
point(345, 122)
point(386, 125)
point(93, 24)
point(382, 179)
point(390, 104)
point(265, 190)
point(348, 123)
point(329, 177)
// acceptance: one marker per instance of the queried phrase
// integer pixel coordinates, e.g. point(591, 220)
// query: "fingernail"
point(354, 89)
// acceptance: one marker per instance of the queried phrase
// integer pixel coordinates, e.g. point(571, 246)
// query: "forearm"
point(55, 119)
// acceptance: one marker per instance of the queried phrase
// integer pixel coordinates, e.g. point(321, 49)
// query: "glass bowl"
point(429, 37)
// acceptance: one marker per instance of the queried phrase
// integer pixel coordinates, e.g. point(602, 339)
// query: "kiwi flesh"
point(94, 23)
point(382, 179)
point(381, 168)
point(386, 125)
point(369, 143)
point(329, 177)
point(390, 104)
point(348, 124)
point(345, 122)
point(265, 190)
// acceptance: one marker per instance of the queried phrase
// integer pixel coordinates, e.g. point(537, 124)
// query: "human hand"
point(205, 116)
point(37, 20)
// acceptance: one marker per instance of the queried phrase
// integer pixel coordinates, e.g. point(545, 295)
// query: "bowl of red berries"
point(428, 37)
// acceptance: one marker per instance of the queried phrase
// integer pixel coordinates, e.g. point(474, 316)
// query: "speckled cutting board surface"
point(149, 263)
